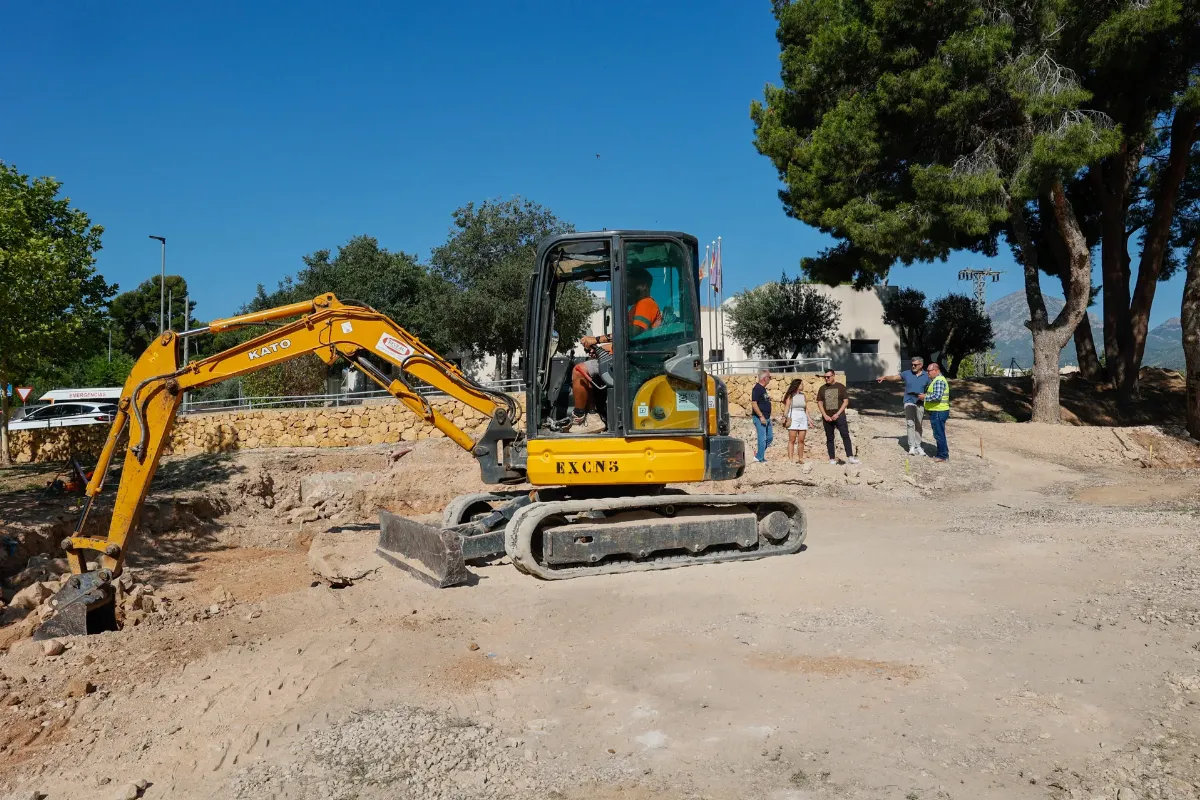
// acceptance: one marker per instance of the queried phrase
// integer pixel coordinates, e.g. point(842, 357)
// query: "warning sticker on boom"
point(392, 347)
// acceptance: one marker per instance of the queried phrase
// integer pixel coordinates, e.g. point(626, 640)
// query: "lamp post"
point(162, 283)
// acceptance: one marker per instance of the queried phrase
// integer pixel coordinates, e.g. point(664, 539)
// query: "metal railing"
point(753, 365)
point(341, 399)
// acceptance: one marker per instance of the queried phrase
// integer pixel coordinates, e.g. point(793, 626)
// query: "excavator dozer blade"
point(435, 555)
point(85, 605)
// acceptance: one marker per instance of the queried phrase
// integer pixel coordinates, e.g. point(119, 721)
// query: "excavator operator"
point(643, 315)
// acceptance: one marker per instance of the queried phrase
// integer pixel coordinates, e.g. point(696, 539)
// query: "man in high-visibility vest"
point(937, 406)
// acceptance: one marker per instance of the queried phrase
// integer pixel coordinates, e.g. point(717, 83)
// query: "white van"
point(106, 395)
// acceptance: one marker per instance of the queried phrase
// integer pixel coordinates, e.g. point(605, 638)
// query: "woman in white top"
point(795, 418)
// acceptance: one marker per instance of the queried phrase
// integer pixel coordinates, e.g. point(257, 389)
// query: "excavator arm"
point(328, 328)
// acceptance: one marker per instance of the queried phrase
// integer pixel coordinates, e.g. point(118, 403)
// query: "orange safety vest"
point(645, 314)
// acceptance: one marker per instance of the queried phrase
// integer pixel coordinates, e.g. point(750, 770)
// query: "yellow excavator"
point(605, 501)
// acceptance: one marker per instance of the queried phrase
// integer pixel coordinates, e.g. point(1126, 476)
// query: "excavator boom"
point(150, 400)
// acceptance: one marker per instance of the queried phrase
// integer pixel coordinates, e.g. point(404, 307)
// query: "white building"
point(864, 347)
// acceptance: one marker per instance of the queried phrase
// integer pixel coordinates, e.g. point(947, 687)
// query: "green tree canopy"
point(958, 327)
point(52, 301)
point(489, 257)
point(908, 130)
point(783, 319)
point(135, 313)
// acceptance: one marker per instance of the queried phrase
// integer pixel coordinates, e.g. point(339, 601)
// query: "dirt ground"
point(1025, 624)
point(1083, 402)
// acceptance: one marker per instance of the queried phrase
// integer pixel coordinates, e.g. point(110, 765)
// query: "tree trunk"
point(1085, 344)
point(5, 457)
point(1085, 349)
point(1110, 181)
point(1049, 338)
point(1190, 318)
point(1184, 130)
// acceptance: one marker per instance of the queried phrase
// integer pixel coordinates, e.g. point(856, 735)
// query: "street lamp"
point(162, 283)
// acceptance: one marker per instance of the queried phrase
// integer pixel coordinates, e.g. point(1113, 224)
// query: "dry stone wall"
point(371, 423)
point(739, 387)
point(374, 422)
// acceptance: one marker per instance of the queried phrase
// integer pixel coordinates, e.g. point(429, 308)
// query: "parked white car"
point(62, 415)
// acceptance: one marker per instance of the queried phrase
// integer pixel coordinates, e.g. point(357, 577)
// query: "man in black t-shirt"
point(760, 413)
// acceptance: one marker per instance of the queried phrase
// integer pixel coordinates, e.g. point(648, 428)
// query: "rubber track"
point(526, 522)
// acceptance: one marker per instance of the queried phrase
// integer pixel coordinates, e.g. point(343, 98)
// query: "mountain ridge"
point(1164, 345)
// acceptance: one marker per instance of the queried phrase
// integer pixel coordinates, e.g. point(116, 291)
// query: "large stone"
point(31, 596)
point(342, 557)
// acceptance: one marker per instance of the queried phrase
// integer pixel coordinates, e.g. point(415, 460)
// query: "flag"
point(704, 264)
point(716, 266)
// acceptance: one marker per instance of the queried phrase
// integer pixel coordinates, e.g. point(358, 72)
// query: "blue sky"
point(250, 134)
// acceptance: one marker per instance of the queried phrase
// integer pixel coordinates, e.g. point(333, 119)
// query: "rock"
point(149, 603)
point(128, 791)
point(342, 557)
point(1125, 793)
point(31, 596)
point(30, 794)
point(304, 514)
point(220, 596)
point(472, 646)
point(80, 687)
point(53, 647)
point(134, 618)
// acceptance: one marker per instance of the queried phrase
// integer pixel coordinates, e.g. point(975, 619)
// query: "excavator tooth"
point(85, 605)
point(435, 555)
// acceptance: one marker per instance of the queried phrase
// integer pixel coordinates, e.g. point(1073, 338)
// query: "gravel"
point(400, 752)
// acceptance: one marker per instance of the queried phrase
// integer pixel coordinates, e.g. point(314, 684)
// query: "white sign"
point(347, 327)
point(643, 410)
point(23, 392)
point(687, 401)
point(712, 403)
point(392, 347)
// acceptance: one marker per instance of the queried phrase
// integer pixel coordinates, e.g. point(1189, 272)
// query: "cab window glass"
point(660, 330)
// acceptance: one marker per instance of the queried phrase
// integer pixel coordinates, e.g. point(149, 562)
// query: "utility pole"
point(110, 341)
point(170, 307)
point(186, 315)
point(162, 283)
point(980, 278)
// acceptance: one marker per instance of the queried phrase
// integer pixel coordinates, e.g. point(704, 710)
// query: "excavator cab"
point(662, 415)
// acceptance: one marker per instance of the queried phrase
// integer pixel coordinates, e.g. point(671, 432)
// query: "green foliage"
point(980, 365)
point(489, 257)
point(952, 327)
point(393, 283)
point(304, 375)
point(92, 371)
point(52, 301)
point(907, 313)
point(783, 319)
point(135, 313)
point(906, 129)
point(957, 328)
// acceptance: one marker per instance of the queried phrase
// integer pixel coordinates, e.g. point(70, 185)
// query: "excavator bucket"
point(85, 605)
point(435, 555)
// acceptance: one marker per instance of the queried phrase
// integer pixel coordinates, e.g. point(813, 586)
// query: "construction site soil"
point(1022, 622)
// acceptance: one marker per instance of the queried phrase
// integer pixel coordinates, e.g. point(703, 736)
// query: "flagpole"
point(720, 293)
point(712, 301)
point(708, 276)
